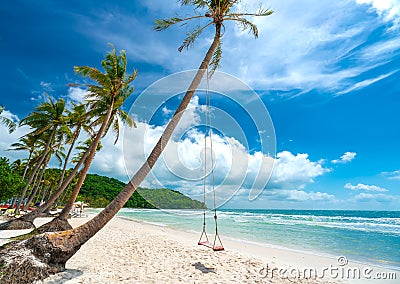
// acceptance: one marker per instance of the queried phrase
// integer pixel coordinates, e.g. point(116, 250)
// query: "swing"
point(204, 241)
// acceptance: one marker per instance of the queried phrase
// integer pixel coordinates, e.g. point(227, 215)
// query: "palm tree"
point(9, 123)
point(46, 119)
point(57, 248)
point(77, 119)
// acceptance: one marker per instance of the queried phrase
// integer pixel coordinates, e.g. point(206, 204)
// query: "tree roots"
point(33, 259)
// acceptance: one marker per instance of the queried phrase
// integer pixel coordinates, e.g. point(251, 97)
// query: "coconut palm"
point(9, 123)
point(56, 248)
point(48, 118)
point(77, 119)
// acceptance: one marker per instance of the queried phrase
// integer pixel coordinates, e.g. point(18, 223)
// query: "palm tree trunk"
point(61, 198)
point(37, 199)
point(76, 135)
point(73, 239)
point(34, 185)
point(30, 198)
point(27, 165)
point(31, 176)
point(67, 208)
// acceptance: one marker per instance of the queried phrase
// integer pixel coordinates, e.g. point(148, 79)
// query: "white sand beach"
point(127, 251)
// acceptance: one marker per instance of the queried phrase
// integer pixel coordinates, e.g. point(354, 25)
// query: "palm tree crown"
point(217, 11)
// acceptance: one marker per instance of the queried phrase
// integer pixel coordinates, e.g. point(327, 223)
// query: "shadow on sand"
point(202, 268)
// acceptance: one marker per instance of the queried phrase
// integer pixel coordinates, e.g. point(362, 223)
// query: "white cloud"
point(366, 197)
point(320, 47)
point(365, 83)
point(166, 111)
point(381, 50)
point(47, 87)
point(345, 158)
point(365, 187)
point(306, 52)
point(298, 195)
point(7, 139)
point(388, 9)
point(77, 94)
point(295, 171)
point(181, 165)
point(9, 115)
point(392, 175)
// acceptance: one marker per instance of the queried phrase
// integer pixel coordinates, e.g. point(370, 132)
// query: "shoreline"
point(281, 256)
point(128, 250)
point(256, 243)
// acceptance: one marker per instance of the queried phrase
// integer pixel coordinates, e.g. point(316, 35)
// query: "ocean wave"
point(378, 225)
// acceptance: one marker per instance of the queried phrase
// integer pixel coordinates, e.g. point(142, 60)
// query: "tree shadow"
point(203, 268)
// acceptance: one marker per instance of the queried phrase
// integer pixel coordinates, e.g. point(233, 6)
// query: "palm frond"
point(94, 74)
point(245, 25)
point(9, 123)
point(228, 6)
point(116, 130)
point(192, 36)
point(162, 24)
point(126, 118)
point(262, 12)
point(199, 4)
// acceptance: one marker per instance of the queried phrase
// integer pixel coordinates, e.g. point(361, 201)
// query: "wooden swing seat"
point(210, 245)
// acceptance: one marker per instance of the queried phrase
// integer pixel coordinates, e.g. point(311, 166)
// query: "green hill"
point(169, 199)
point(98, 191)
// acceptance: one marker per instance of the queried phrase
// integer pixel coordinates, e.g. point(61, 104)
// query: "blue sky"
point(327, 71)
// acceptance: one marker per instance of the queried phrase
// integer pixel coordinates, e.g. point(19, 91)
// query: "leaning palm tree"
point(9, 123)
point(46, 119)
point(77, 119)
point(52, 250)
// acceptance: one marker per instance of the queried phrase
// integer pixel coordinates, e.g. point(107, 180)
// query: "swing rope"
point(214, 246)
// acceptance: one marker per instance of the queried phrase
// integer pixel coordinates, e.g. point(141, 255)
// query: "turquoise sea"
point(370, 237)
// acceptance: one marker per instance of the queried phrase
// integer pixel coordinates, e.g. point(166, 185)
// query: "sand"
point(127, 251)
